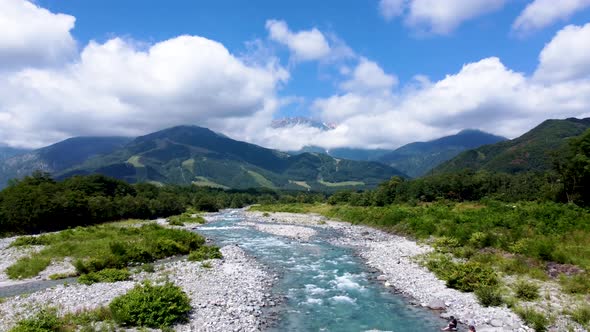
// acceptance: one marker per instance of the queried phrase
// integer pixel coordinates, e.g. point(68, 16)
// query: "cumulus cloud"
point(308, 45)
point(483, 94)
point(436, 16)
point(369, 77)
point(117, 89)
point(566, 56)
point(33, 36)
point(542, 13)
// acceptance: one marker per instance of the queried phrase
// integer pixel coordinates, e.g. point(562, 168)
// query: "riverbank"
point(394, 257)
point(226, 295)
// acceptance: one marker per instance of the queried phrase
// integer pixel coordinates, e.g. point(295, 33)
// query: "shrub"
point(489, 296)
point(175, 222)
point(526, 291)
point(577, 284)
point(29, 241)
point(533, 318)
point(27, 267)
point(581, 314)
point(266, 214)
point(106, 275)
point(479, 240)
point(470, 276)
point(205, 252)
point(151, 306)
point(445, 243)
point(149, 267)
point(45, 321)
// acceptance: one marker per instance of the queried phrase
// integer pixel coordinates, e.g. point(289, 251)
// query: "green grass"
point(532, 318)
point(150, 305)
point(108, 246)
point(189, 165)
point(581, 315)
point(106, 275)
point(28, 267)
point(526, 291)
point(342, 184)
point(261, 180)
point(47, 320)
point(204, 253)
point(185, 218)
point(201, 181)
point(537, 231)
point(135, 161)
point(301, 184)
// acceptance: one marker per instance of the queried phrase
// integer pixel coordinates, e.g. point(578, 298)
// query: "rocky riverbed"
point(393, 256)
point(228, 296)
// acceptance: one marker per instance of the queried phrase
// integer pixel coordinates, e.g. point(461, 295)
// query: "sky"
point(383, 72)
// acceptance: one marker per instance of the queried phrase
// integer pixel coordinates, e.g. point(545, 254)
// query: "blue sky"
point(478, 61)
point(396, 48)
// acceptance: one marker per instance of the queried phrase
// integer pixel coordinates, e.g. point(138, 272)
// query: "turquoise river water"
point(326, 287)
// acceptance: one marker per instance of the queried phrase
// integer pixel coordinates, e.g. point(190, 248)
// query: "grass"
point(341, 184)
point(27, 267)
point(106, 275)
point(204, 253)
point(186, 218)
point(526, 291)
point(201, 181)
point(533, 318)
point(261, 180)
point(47, 320)
point(528, 232)
point(151, 306)
point(136, 161)
point(581, 315)
point(107, 246)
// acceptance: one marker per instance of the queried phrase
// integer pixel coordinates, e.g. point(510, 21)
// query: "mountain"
point(7, 152)
point(294, 121)
point(529, 152)
point(190, 154)
point(347, 153)
point(416, 159)
point(58, 157)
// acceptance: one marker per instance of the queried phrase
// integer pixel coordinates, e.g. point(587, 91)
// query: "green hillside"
point(57, 157)
point(532, 151)
point(199, 156)
point(416, 159)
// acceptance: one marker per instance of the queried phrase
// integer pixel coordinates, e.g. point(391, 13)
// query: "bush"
point(45, 321)
point(470, 276)
point(29, 241)
point(489, 296)
point(578, 284)
point(526, 291)
point(205, 252)
point(534, 319)
point(106, 275)
point(151, 306)
point(581, 314)
point(27, 267)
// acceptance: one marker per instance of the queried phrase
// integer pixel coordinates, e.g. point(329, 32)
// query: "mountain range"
point(199, 156)
point(415, 159)
point(533, 151)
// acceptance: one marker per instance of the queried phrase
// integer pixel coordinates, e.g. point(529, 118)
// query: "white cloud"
point(391, 8)
point(33, 36)
point(369, 77)
point(437, 16)
point(542, 13)
point(566, 56)
point(308, 45)
point(442, 17)
point(117, 89)
point(485, 95)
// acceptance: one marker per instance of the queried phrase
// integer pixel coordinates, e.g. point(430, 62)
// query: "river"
point(325, 287)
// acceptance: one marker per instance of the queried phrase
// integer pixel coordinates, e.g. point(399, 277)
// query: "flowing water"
point(326, 287)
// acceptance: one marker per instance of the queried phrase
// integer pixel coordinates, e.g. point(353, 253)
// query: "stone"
point(382, 277)
point(437, 305)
